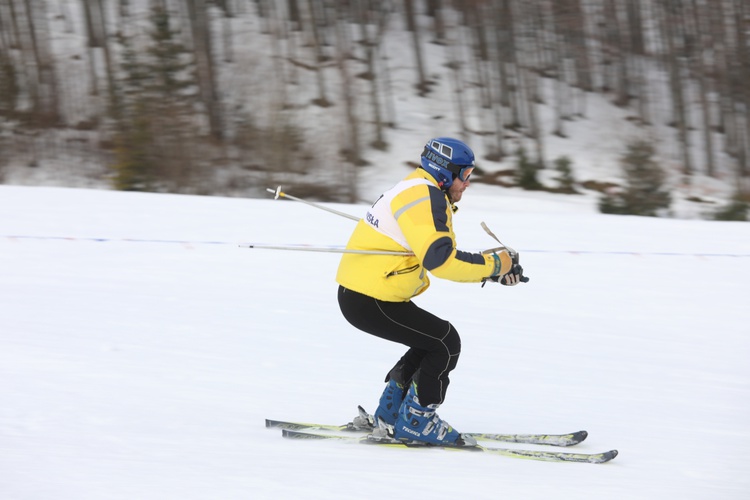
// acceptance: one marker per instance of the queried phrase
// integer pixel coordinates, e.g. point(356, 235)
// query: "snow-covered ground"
point(142, 348)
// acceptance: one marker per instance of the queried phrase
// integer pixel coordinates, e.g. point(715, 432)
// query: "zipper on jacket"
point(403, 271)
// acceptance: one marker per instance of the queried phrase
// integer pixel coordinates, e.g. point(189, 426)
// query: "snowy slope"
point(142, 349)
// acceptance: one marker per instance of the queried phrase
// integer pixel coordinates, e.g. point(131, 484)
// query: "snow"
point(142, 349)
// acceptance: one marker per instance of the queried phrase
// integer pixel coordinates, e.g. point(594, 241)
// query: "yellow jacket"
point(413, 216)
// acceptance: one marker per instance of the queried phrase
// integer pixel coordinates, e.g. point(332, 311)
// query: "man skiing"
point(375, 291)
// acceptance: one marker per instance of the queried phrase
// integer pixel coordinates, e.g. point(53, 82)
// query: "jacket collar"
point(420, 173)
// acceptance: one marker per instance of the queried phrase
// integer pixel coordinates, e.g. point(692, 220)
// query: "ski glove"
point(511, 278)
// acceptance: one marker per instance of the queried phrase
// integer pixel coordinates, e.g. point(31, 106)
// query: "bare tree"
point(701, 71)
point(435, 10)
point(351, 148)
point(674, 35)
point(319, 56)
point(515, 85)
point(44, 87)
point(742, 68)
point(411, 23)
point(455, 65)
point(367, 14)
point(96, 31)
point(201, 30)
point(558, 16)
point(226, 8)
point(9, 87)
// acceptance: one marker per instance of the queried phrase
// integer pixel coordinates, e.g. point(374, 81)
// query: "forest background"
point(228, 97)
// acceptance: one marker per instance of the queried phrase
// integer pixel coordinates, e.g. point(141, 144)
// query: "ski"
point(548, 456)
point(364, 424)
point(296, 426)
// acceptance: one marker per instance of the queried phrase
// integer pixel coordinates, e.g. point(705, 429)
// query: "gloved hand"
point(513, 277)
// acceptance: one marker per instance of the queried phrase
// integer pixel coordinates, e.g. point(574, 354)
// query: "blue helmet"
point(445, 159)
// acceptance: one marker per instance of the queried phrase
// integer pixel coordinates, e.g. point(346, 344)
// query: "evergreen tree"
point(156, 131)
point(9, 88)
point(526, 172)
point(735, 210)
point(644, 193)
point(566, 179)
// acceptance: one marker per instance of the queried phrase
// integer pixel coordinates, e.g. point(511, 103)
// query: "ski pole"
point(503, 246)
point(329, 249)
point(278, 193)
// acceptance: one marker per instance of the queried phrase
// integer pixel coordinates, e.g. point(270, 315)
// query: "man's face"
point(457, 189)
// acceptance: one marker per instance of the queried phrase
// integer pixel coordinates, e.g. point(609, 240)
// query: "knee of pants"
point(453, 343)
point(443, 360)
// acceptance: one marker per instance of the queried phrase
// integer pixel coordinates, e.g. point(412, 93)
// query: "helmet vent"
point(444, 149)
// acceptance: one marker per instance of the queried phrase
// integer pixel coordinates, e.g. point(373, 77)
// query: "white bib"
point(380, 217)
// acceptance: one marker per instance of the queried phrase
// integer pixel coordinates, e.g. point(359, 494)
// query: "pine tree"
point(9, 88)
point(735, 210)
point(644, 192)
point(567, 180)
point(157, 130)
point(526, 172)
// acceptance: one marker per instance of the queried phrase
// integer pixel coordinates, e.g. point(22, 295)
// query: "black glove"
point(513, 277)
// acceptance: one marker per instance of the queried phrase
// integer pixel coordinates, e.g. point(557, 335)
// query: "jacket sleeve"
point(425, 218)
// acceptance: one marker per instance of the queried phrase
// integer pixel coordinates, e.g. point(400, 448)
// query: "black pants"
point(434, 345)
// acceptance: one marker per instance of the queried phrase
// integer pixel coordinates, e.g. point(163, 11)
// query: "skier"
point(376, 291)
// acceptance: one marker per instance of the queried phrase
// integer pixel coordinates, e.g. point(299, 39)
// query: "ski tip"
point(581, 435)
point(607, 456)
point(293, 434)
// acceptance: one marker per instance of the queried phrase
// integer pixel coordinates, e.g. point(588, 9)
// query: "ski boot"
point(421, 423)
point(390, 402)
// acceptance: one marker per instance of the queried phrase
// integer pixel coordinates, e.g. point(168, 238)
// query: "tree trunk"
point(535, 127)
point(435, 10)
point(382, 59)
point(322, 99)
point(497, 152)
point(515, 86)
point(411, 23)
point(370, 44)
point(92, 44)
point(702, 20)
point(201, 31)
point(351, 146)
point(618, 49)
point(742, 24)
point(670, 23)
point(47, 112)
